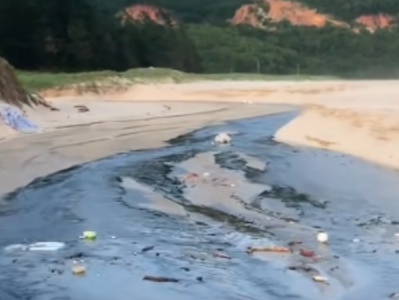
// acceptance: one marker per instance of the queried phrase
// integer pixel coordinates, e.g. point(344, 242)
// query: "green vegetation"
point(75, 36)
point(34, 81)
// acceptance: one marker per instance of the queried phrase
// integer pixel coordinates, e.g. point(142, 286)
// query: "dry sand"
point(355, 117)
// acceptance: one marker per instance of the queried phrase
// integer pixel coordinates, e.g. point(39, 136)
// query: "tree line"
point(88, 35)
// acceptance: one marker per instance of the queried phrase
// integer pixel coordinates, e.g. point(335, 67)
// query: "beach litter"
point(160, 279)
point(322, 237)
point(15, 119)
point(39, 246)
point(319, 278)
point(278, 249)
point(78, 269)
point(89, 235)
point(46, 246)
point(222, 138)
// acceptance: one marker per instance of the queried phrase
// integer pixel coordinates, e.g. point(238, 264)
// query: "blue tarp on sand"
point(15, 119)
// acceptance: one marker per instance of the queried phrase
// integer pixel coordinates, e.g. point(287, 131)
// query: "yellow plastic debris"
point(89, 235)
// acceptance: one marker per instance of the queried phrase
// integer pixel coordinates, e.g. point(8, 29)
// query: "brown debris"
point(79, 270)
point(160, 279)
point(279, 249)
point(303, 268)
point(294, 243)
point(221, 255)
point(82, 108)
point(145, 249)
point(307, 253)
point(192, 176)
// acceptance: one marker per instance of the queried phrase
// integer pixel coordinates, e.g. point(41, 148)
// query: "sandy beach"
point(354, 117)
point(200, 206)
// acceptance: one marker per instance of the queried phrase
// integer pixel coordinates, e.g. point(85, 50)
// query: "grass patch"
point(37, 81)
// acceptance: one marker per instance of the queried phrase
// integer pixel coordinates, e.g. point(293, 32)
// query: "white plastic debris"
point(40, 246)
point(46, 246)
point(319, 278)
point(322, 237)
point(16, 247)
point(222, 138)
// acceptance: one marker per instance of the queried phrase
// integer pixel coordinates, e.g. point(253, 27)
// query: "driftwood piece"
point(279, 249)
point(160, 279)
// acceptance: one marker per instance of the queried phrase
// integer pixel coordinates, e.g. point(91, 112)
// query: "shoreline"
point(31, 156)
point(348, 117)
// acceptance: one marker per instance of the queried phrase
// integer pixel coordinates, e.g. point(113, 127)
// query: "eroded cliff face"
point(297, 14)
point(279, 10)
point(265, 12)
point(142, 12)
point(373, 22)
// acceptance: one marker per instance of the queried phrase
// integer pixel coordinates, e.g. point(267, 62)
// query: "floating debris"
point(294, 243)
point(46, 246)
point(394, 295)
point(160, 279)
point(279, 249)
point(79, 270)
point(221, 255)
point(303, 268)
point(16, 247)
point(322, 237)
point(146, 249)
point(319, 278)
point(89, 235)
point(222, 138)
point(306, 253)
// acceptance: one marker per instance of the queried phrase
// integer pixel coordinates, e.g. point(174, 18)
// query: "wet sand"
point(70, 138)
point(337, 116)
point(192, 200)
point(352, 117)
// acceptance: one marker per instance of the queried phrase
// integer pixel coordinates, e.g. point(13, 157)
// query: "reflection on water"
point(192, 199)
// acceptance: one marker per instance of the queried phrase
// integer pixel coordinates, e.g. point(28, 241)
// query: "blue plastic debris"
point(15, 119)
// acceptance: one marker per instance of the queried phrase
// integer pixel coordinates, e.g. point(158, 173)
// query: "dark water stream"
point(193, 199)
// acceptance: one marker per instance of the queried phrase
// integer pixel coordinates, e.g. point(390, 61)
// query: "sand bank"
point(70, 138)
point(356, 117)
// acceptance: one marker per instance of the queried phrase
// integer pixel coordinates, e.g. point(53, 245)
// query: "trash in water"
point(221, 255)
point(145, 249)
point(16, 247)
point(319, 278)
point(160, 279)
point(78, 269)
point(251, 250)
point(322, 237)
point(46, 246)
point(306, 253)
point(222, 138)
point(15, 119)
point(303, 268)
point(89, 235)
point(40, 246)
point(394, 295)
point(293, 243)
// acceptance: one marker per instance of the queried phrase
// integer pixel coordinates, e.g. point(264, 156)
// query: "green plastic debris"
point(89, 235)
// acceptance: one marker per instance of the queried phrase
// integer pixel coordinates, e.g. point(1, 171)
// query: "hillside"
point(357, 38)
